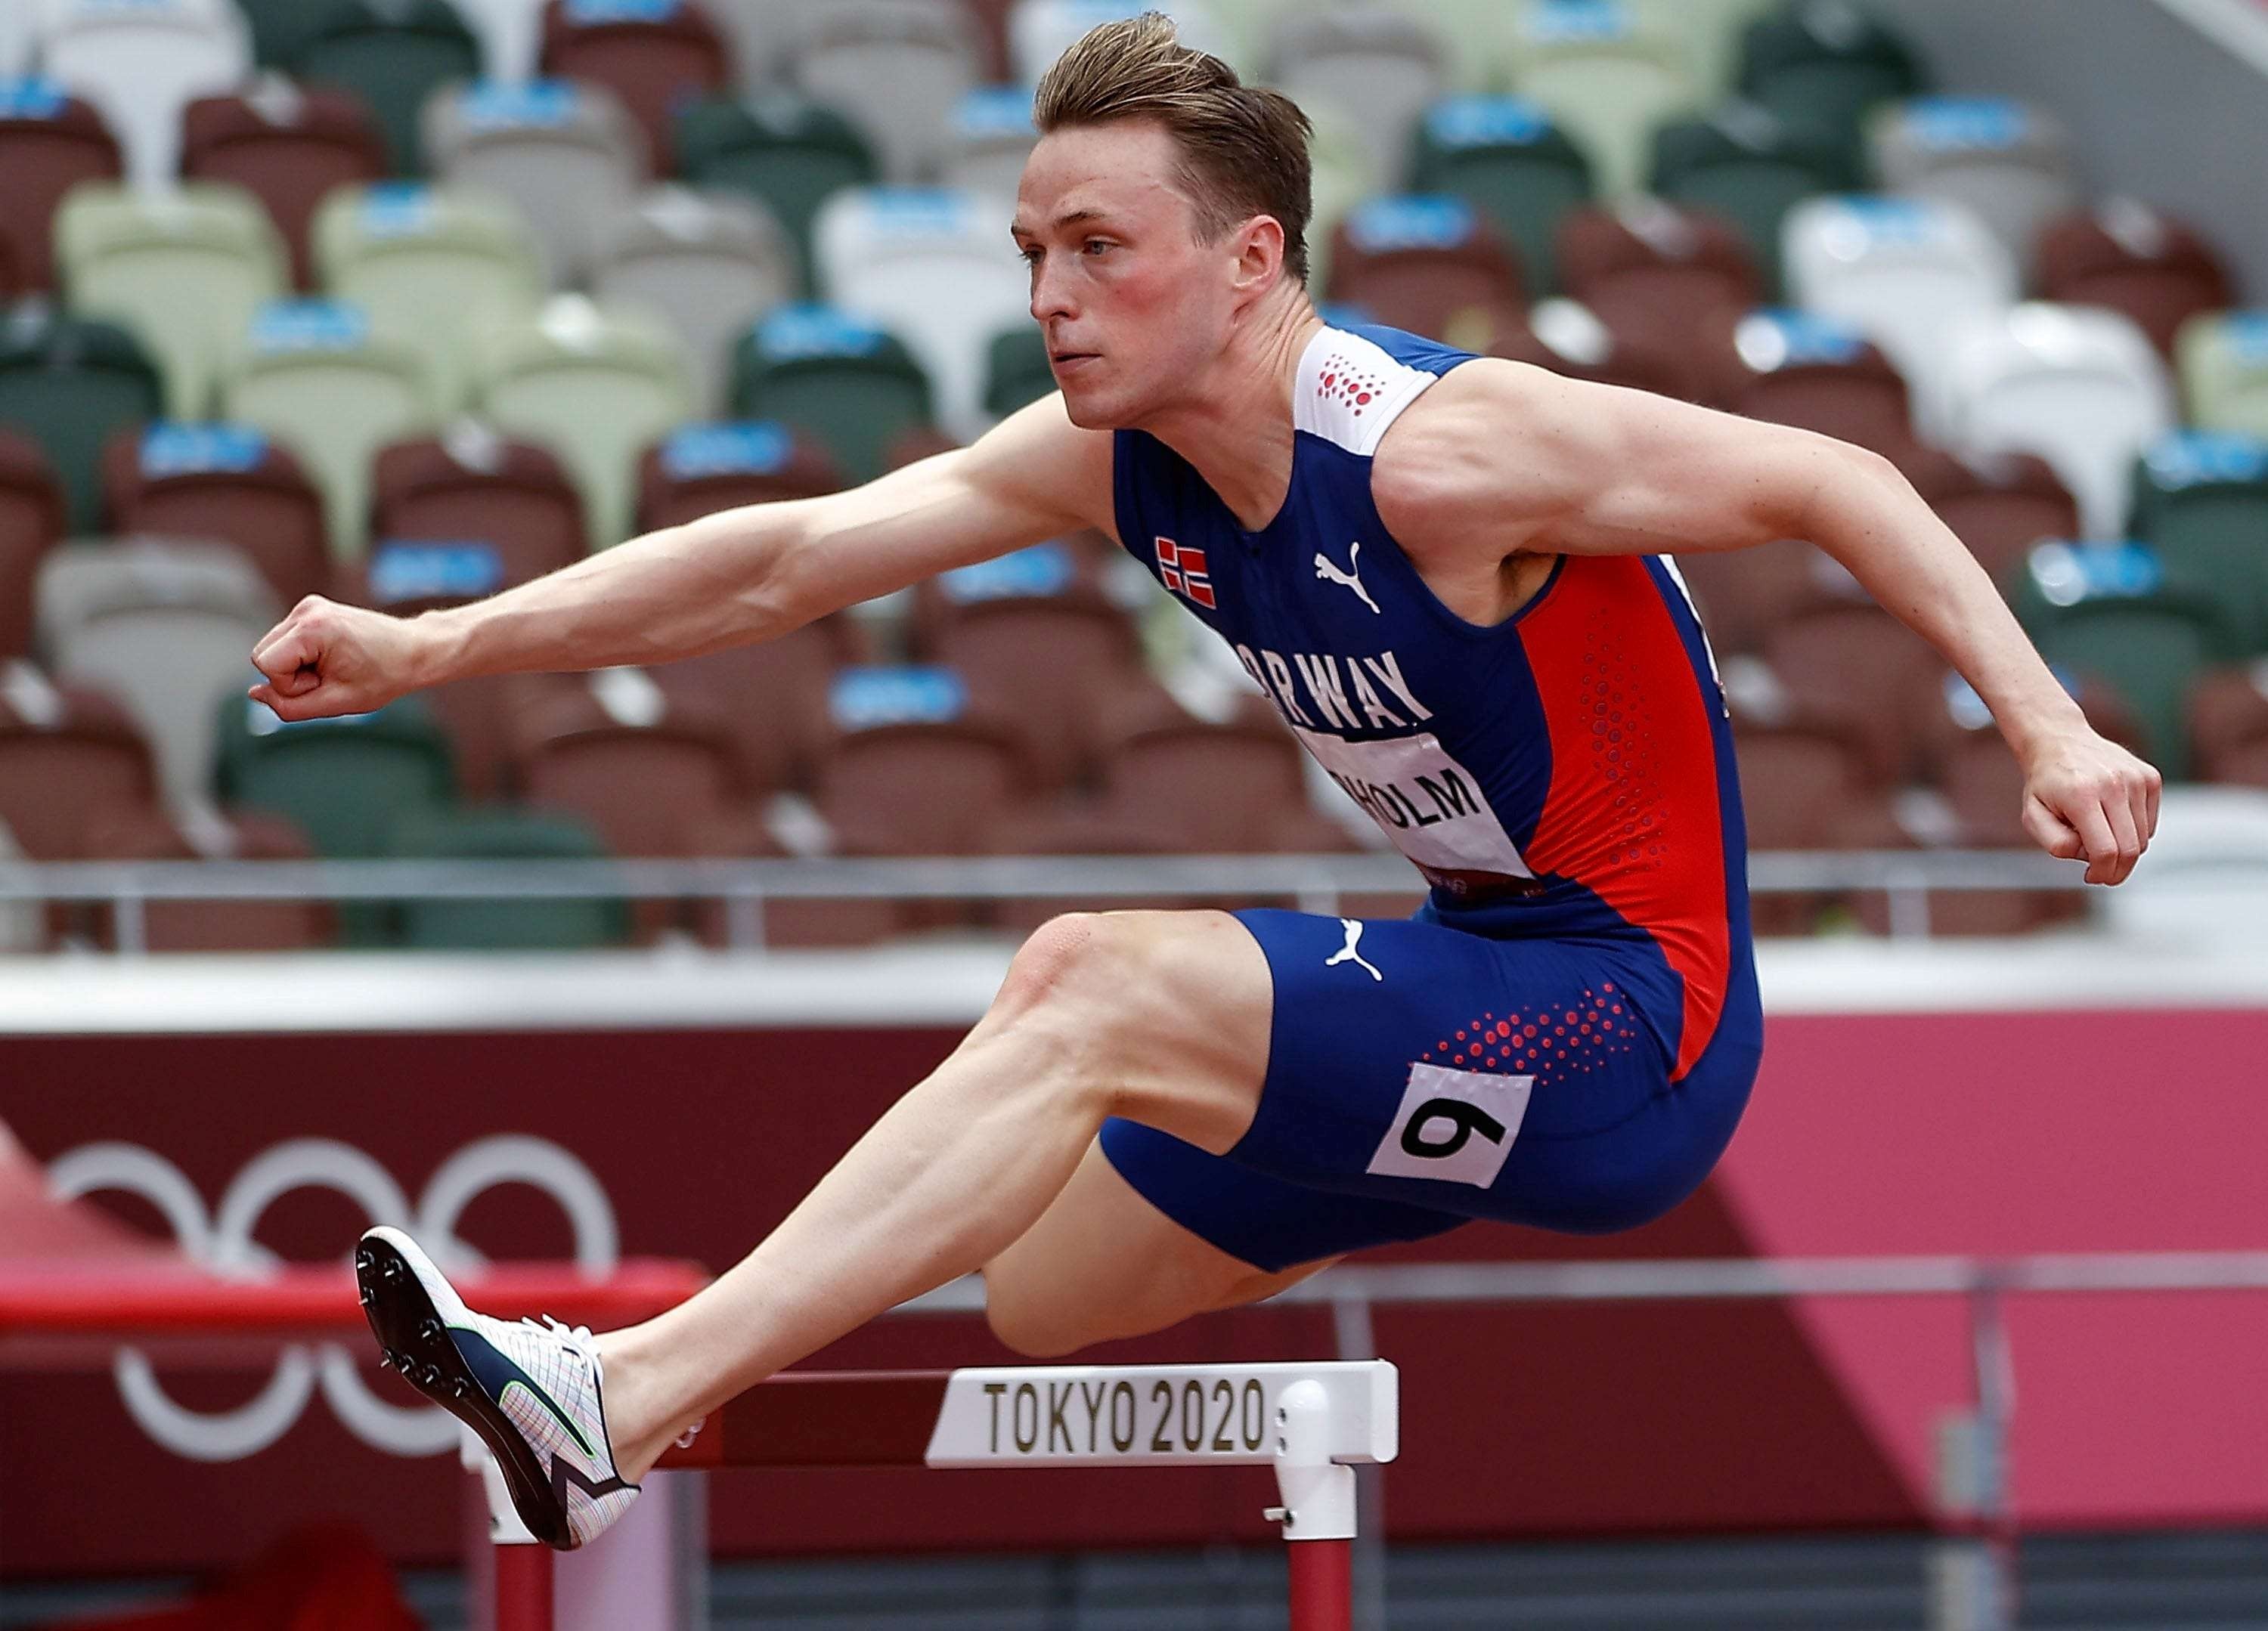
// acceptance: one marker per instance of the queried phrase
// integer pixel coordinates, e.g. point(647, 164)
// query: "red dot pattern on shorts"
point(1349, 385)
point(1548, 1042)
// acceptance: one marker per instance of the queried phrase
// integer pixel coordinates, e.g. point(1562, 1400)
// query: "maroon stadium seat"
point(48, 146)
point(31, 520)
point(512, 495)
point(1797, 369)
point(1049, 665)
point(699, 469)
point(2229, 725)
point(772, 695)
point(1744, 594)
point(647, 783)
point(228, 482)
point(66, 755)
point(922, 786)
point(1206, 789)
point(1429, 265)
point(289, 146)
point(1656, 273)
point(652, 55)
point(147, 834)
point(1860, 665)
point(2130, 258)
point(2000, 506)
point(1801, 777)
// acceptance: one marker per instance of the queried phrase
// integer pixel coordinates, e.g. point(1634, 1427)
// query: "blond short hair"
point(1244, 149)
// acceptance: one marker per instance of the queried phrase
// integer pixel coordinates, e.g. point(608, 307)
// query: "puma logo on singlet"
point(1351, 579)
point(1347, 953)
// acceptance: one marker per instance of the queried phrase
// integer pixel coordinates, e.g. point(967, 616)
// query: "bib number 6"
point(1453, 1126)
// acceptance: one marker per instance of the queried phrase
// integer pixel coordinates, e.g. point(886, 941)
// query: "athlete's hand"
point(325, 660)
point(2085, 798)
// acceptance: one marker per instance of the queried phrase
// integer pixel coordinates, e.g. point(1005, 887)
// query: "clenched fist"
point(2087, 799)
point(325, 660)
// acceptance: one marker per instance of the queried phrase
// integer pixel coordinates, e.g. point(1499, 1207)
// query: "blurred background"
point(408, 301)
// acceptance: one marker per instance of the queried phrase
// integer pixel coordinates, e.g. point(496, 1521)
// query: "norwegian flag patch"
point(1183, 570)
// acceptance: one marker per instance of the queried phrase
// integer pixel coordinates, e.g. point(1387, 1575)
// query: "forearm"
point(1878, 527)
point(678, 592)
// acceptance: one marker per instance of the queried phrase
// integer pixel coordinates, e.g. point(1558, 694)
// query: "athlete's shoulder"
point(1493, 443)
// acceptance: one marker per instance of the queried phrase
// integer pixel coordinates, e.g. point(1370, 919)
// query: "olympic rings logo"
point(222, 1241)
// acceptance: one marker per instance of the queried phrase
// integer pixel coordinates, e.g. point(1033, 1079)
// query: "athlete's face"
point(1133, 307)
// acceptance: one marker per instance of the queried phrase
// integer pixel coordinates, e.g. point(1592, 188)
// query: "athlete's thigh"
point(1103, 1263)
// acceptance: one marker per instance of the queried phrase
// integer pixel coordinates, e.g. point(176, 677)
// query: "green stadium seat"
point(499, 833)
point(2223, 358)
point(348, 782)
point(1016, 370)
point(1749, 165)
point(314, 376)
point(849, 382)
point(786, 152)
point(433, 266)
point(595, 383)
point(1822, 65)
point(2112, 612)
point(68, 383)
point(183, 269)
point(281, 29)
point(2201, 500)
point(1502, 155)
point(394, 53)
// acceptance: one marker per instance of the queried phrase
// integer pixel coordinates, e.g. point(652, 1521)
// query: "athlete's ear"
point(1259, 245)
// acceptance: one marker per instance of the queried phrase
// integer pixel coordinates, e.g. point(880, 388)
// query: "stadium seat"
point(2009, 163)
point(1669, 276)
point(708, 264)
point(1209, 788)
point(569, 156)
point(144, 833)
point(788, 153)
point(1502, 155)
point(233, 484)
point(404, 577)
point(1859, 665)
point(990, 136)
point(1382, 67)
point(394, 54)
point(434, 268)
point(184, 269)
point(1344, 171)
point(1039, 31)
point(31, 522)
point(2000, 507)
point(2125, 255)
point(141, 64)
point(2201, 500)
point(757, 35)
point(897, 69)
point(646, 770)
point(2079, 387)
point(2223, 357)
point(68, 384)
point(1004, 644)
point(314, 376)
point(18, 33)
point(1743, 595)
point(596, 384)
point(510, 34)
point(913, 770)
point(67, 754)
point(654, 54)
point(1822, 65)
point(1424, 262)
point(50, 141)
point(287, 146)
point(1016, 369)
point(698, 469)
point(506, 924)
point(2109, 611)
point(2228, 719)
point(23, 925)
point(469, 484)
point(347, 783)
point(1569, 338)
point(1820, 373)
point(849, 382)
point(1608, 72)
point(926, 263)
point(1909, 272)
point(1751, 166)
point(280, 29)
point(772, 695)
point(167, 626)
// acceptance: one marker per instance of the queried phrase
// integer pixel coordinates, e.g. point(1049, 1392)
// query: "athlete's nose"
point(1051, 295)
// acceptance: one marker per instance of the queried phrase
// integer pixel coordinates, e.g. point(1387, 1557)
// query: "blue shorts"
point(1420, 1077)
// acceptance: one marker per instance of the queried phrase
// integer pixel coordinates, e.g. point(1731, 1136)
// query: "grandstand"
point(408, 302)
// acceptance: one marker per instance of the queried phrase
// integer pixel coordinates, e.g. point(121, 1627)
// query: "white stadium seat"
point(937, 268)
point(2080, 386)
point(1383, 66)
point(141, 63)
point(897, 69)
point(1907, 272)
point(992, 135)
point(1039, 31)
point(2009, 163)
point(510, 33)
point(567, 154)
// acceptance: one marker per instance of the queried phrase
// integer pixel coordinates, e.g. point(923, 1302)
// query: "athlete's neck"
point(1235, 427)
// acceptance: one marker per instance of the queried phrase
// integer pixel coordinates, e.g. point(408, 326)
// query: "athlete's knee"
point(1027, 1321)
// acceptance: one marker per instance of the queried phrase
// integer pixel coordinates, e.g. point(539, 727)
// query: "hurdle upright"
point(1313, 1423)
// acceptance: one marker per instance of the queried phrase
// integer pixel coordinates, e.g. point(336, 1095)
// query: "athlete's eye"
point(1095, 245)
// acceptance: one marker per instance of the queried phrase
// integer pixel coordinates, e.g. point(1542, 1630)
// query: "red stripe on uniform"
point(1632, 811)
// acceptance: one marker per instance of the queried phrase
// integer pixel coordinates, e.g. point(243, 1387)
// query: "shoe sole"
point(413, 1339)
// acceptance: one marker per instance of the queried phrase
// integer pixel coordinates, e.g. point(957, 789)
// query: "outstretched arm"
point(726, 579)
point(1500, 458)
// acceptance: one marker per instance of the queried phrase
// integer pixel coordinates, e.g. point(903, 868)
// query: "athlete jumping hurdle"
point(1452, 576)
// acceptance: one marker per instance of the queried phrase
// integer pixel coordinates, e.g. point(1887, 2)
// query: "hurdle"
point(1314, 1423)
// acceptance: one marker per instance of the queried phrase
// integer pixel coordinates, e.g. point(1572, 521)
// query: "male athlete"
point(1451, 575)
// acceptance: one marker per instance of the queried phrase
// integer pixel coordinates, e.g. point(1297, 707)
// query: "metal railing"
point(1975, 1586)
point(1315, 883)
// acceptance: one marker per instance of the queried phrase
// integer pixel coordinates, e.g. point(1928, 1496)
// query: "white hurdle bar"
point(1314, 1423)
